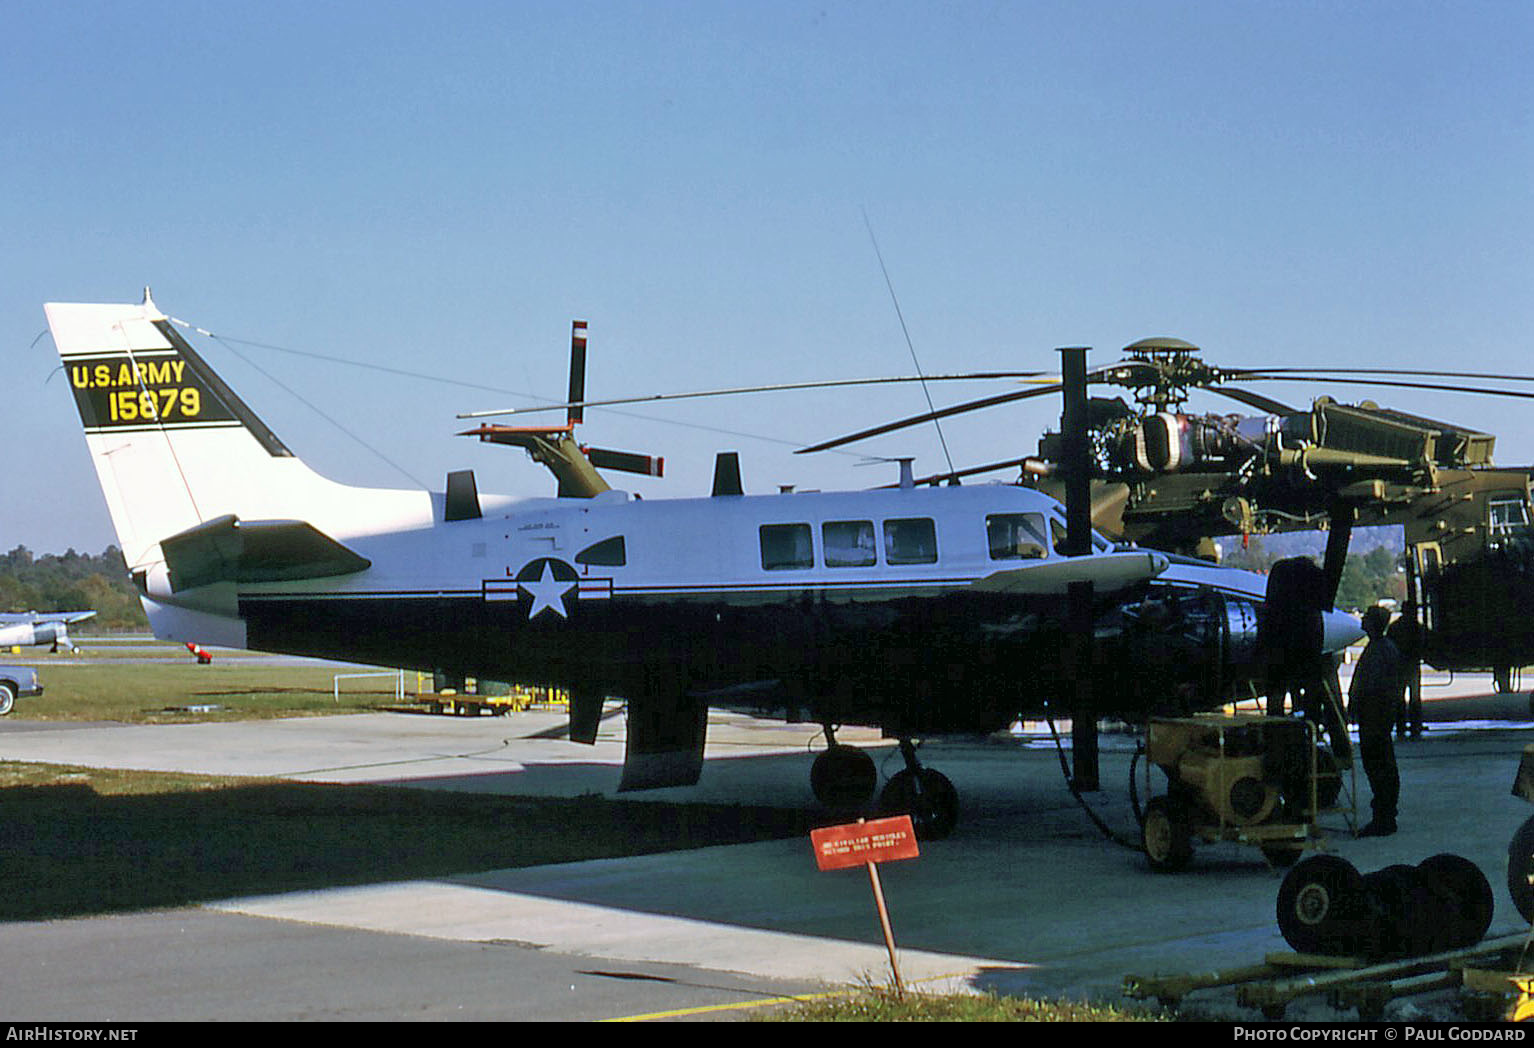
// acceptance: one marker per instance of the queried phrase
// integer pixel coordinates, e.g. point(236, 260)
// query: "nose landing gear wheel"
point(928, 797)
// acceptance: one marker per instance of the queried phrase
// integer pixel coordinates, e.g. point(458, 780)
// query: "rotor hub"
point(1161, 371)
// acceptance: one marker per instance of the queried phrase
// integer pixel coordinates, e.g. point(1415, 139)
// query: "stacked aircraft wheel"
point(1461, 898)
point(1325, 906)
point(1520, 867)
point(1394, 914)
point(1319, 905)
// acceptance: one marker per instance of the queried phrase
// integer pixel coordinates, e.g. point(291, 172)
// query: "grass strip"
point(162, 692)
point(884, 1005)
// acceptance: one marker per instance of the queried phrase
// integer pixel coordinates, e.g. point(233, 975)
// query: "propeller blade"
point(627, 461)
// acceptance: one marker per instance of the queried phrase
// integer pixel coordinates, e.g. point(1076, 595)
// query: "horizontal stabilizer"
point(228, 549)
point(1106, 571)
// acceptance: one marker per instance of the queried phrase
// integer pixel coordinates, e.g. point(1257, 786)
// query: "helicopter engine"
point(1167, 442)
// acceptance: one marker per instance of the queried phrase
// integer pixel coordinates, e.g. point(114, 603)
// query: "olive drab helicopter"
point(1170, 479)
point(921, 610)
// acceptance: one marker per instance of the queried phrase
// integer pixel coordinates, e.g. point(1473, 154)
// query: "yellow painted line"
point(764, 1003)
point(767, 1002)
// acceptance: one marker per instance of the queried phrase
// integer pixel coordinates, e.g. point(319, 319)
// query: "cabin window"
point(786, 547)
point(1507, 515)
point(1016, 536)
point(1507, 518)
point(1057, 531)
point(849, 543)
point(609, 553)
point(911, 540)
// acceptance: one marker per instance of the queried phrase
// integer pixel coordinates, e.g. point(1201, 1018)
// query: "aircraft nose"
point(1342, 629)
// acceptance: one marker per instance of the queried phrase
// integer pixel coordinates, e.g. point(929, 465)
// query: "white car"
point(16, 682)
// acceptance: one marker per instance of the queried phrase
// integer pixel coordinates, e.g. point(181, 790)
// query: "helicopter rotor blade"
point(1439, 387)
point(1242, 373)
point(976, 376)
point(1254, 400)
point(917, 420)
point(1031, 463)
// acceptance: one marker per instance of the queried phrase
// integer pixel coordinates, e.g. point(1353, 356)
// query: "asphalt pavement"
point(1026, 897)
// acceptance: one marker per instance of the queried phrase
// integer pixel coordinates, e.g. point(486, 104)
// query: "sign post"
point(865, 843)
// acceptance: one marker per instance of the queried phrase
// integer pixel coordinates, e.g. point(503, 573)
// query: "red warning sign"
point(858, 843)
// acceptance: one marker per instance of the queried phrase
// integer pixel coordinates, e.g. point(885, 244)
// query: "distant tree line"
point(72, 582)
point(1367, 578)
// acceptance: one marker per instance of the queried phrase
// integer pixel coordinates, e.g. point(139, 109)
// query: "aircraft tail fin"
point(175, 447)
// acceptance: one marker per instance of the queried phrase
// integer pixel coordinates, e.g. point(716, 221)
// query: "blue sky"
point(440, 188)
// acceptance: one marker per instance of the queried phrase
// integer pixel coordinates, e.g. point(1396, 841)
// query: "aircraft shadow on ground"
point(74, 852)
point(1020, 832)
point(71, 851)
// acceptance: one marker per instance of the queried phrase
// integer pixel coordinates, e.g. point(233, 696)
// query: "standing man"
point(1373, 700)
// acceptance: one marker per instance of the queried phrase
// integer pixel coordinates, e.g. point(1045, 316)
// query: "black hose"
point(1070, 784)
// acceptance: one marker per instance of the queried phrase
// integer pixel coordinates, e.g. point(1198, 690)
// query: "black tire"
point(928, 797)
point(1460, 898)
point(1395, 922)
point(843, 777)
point(7, 697)
point(1520, 870)
point(1165, 836)
point(1282, 856)
point(1318, 905)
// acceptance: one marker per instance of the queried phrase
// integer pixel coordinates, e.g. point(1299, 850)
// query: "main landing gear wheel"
point(928, 797)
point(843, 777)
point(1165, 836)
